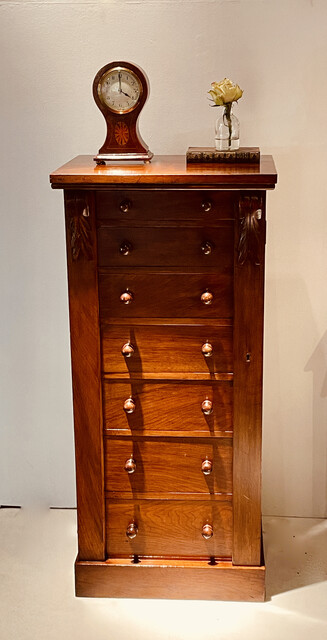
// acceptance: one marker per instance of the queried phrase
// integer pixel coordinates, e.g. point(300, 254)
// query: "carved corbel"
point(79, 228)
point(250, 215)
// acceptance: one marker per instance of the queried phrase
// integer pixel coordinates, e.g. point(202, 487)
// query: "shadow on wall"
point(295, 411)
point(318, 365)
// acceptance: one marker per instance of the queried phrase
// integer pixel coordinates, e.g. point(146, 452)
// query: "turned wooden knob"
point(206, 407)
point(127, 350)
point(125, 248)
point(206, 205)
point(207, 297)
point(207, 349)
point(207, 531)
point(131, 530)
point(127, 297)
point(206, 248)
point(129, 405)
point(125, 206)
point(206, 467)
point(130, 465)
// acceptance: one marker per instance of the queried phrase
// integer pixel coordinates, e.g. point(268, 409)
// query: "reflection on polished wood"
point(168, 170)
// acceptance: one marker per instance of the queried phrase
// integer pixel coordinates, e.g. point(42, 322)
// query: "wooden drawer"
point(160, 206)
point(168, 465)
point(160, 349)
point(172, 528)
point(173, 246)
point(162, 295)
point(168, 407)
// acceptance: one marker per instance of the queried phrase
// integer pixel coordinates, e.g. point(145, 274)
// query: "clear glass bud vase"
point(227, 136)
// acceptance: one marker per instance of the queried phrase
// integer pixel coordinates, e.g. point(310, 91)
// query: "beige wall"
point(51, 50)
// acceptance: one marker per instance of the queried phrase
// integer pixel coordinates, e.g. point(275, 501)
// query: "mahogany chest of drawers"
point(166, 283)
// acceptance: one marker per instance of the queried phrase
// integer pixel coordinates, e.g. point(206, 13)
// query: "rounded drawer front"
point(172, 528)
point(155, 466)
point(150, 407)
point(163, 295)
point(127, 207)
point(144, 246)
point(166, 349)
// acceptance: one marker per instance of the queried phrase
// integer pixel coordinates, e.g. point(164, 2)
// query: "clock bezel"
point(110, 71)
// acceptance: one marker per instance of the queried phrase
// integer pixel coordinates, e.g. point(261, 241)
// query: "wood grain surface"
point(172, 246)
point(169, 348)
point(164, 170)
point(170, 578)
point(161, 206)
point(169, 528)
point(161, 237)
point(165, 294)
point(168, 465)
point(248, 354)
point(171, 407)
point(86, 375)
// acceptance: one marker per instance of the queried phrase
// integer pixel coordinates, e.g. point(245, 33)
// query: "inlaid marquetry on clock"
point(166, 288)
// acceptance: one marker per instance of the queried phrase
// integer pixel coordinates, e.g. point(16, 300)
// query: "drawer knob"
point(129, 405)
point(125, 248)
point(207, 297)
point(125, 206)
point(206, 248)
point(206, 407)
point(127, 350)
point(131, 530)
point(127, 297)
point(130, 465)
point(206, 467)
point(206, 205)
point(207, 531)
point(207, 349)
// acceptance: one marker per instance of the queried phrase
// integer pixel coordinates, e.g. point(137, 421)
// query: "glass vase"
point(227, 136)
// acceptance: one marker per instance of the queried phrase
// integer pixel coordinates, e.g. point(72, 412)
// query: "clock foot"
point(123, 157)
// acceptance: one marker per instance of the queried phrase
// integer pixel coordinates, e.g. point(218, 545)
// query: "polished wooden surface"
point(165, 170)
point(172, 528)
point(170, 578)
point(86, 374)
point(168, 465)
point(165, 294)
point(168, 407)
point(248, 354)
point(173, 246)
point(167, 348)
point(164, 206)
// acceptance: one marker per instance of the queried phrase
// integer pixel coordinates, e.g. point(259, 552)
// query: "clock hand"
point(119, 78)
point(126, 94)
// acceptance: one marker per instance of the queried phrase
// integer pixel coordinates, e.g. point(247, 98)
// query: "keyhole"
point(248, 357)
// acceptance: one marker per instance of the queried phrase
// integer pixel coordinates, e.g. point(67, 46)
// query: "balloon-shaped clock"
point(120, 90)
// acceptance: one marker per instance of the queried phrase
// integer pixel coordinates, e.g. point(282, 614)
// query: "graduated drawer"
point(162, 205)
point(167, 348)
point(152, 407)
point(162, 294)
point(165, 465)
point(171, 528)
point(173, 246)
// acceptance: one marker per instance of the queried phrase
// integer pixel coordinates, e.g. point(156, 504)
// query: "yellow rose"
point(225, 92)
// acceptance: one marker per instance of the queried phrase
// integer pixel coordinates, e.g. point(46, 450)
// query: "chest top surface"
point(170, 171)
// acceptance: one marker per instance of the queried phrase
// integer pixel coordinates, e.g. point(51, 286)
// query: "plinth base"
point(169, 578)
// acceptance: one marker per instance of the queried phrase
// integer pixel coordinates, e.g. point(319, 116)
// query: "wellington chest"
point(166, 288)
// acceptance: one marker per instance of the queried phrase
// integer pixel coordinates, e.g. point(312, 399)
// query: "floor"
point(37, 551)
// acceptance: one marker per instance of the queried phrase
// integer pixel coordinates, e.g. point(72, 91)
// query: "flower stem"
point(227, 115)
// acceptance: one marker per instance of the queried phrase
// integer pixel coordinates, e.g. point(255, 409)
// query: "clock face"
point(120, 89)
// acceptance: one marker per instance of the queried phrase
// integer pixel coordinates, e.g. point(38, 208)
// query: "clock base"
point(102, 158)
